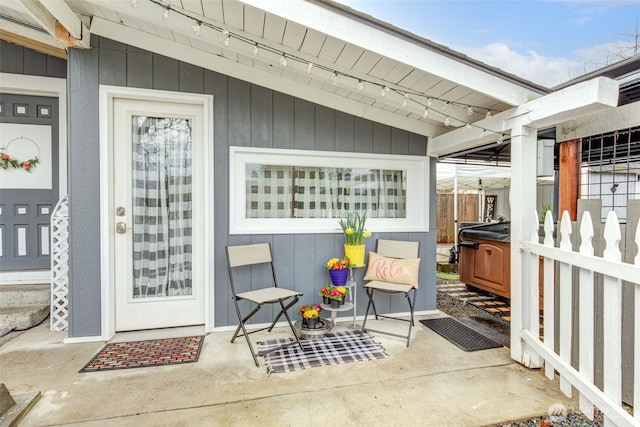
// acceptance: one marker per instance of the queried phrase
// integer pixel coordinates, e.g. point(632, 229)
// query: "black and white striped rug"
point(332, 349)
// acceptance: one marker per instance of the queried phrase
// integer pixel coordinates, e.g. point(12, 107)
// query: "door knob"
point(121, 228)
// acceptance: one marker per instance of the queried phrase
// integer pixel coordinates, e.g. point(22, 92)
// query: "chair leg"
point(411, 307)
point(369, 293)
point(284, 310)
point(244, 330)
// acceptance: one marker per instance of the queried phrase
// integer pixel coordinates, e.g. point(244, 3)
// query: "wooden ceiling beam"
point(59, 20)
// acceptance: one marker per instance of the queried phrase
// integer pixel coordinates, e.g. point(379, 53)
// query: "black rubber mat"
point(459, 334)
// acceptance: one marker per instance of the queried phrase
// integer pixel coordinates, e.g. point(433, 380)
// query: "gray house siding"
point(244, 115)
point(16, 59)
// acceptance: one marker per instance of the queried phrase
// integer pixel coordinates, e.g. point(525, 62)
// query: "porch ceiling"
point(332, 37)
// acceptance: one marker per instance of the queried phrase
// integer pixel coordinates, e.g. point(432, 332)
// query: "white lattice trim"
point(60, 266)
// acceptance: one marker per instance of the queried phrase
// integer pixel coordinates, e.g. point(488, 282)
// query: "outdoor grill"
point(484, 257)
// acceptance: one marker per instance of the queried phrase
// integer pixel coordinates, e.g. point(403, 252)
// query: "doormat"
point(334, 348)
point(459, 334)
point(142, 354)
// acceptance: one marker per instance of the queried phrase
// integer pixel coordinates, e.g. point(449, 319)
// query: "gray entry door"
point(28, 130)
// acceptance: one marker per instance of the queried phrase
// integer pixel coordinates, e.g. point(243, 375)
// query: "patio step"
point(24, 306)
point(14, 408)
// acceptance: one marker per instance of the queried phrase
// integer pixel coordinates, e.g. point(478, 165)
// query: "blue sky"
point(545, 41)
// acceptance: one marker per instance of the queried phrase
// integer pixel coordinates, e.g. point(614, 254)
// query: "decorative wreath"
point(6, 161)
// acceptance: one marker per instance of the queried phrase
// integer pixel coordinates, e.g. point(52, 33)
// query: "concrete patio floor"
point(431, 383)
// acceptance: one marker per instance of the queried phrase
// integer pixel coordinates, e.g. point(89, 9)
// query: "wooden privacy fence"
point(560, 265)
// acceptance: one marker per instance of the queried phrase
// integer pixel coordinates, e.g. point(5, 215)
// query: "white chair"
point(246, 257)
point(393, 269)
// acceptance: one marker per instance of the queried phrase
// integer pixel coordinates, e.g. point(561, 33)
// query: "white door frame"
point(22, 84)
point(107, 94)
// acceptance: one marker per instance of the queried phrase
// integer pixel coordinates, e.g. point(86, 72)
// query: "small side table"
point(352, 285)
point(351, 305)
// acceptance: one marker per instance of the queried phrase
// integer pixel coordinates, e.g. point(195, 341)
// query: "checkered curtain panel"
point(311, 192)
point(161, 207)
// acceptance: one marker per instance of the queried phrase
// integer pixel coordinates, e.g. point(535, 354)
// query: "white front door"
point(158, 199)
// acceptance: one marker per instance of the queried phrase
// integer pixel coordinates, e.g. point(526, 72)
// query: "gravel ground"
point(456, 308)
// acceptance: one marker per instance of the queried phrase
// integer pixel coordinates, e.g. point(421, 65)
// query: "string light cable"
point(423, 101)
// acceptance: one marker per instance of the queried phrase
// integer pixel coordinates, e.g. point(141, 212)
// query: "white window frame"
point(417, 178)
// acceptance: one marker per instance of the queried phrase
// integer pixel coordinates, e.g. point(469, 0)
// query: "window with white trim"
point(274, 191)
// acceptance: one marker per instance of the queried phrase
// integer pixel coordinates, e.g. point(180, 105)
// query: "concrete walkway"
point(431, 383)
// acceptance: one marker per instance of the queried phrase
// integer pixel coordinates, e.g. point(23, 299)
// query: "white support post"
point(523, 185)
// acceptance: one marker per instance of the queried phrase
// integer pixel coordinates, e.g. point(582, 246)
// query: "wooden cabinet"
point(488, 267)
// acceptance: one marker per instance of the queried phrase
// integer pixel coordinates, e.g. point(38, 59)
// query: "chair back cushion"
point(402, 271)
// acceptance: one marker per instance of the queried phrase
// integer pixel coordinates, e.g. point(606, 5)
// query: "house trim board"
point(106, 96)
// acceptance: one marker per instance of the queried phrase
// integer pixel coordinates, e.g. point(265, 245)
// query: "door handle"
point(121, 228)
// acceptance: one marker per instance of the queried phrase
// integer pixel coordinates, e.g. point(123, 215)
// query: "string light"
point(134, 4)
point(197, 28)
point(501, 139)
point(415, 97)
point(426, 113)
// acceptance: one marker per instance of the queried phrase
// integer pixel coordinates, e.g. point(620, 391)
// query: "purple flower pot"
point(339, 277)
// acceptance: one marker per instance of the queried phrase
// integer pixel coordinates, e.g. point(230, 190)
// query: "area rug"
point(142, 354)
point(459, 334)
point(332, 349)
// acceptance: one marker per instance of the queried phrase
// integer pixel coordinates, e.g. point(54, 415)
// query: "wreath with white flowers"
point(7, 161)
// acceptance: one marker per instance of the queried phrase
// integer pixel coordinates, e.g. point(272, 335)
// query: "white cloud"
point(547, 71)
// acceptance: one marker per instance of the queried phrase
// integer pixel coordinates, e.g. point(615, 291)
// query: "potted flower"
point(336, 296)
point(324, 293)
point(310, 315)
point(338, 270)
point(354, 231)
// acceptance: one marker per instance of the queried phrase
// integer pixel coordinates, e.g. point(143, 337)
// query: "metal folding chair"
point(250, 257)
point(393, 249)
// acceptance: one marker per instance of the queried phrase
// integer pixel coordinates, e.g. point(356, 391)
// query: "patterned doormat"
point(334, 348)
point(459, 334)
point(141, 354)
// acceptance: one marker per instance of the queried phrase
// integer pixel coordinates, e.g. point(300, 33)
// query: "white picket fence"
point(609, 399)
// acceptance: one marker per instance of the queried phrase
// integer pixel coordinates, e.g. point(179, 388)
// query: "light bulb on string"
point(227, 37)
point(254, 51)
point(429, 102)
point(360, 86)
point(447, 121)
point(334, 78)
point(426, 113)
point(165, 13)
point(488, 114)
point(404, 101)
point(309, 68)
point(283, 60)
point(468, 125)
point(134, 4)
point(469, 111)
point(197, 28)
point(444, 107)
point(384, 91)
point(501, 139)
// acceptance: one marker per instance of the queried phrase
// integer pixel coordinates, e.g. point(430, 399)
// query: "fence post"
point(586, 309)
point(566, 289)
point(612, 316)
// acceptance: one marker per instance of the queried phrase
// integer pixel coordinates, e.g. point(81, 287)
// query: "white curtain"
point(313, 192)
point(162, 214)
